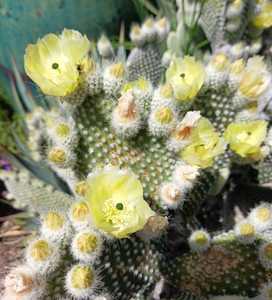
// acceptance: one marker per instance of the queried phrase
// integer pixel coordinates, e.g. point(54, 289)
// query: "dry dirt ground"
point(11, 245)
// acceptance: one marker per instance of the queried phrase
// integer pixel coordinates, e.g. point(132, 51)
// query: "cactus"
point(141, 154)
point(241, 28)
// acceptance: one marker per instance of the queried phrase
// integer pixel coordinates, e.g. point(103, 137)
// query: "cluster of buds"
point(149, 31)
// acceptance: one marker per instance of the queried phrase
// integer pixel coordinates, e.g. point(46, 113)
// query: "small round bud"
point(137, 36)
point(81, 188)
point(79, 214)
point(199, 241)
point(217, 70)
point(261, 217)
point(104, 47)
point(245, 232)
point(234, 9)
point(114, 76)
point(164, 115)
point(63, 130)
point(58, 156)
point(42, 256)
point(220, 62)
point(117, 70)
point(171, 195)
point(81, 281)
point(163, 27)
point(185, 175)
point(162, 120)
point(54, 226)
point(87, 245)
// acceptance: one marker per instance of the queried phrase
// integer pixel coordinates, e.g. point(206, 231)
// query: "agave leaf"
point(15, 100)
point(27, 101)
point(39, 170)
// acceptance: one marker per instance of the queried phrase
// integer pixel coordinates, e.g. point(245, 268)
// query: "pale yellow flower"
point(115, 200)
point(246, 138)
point(205, 145)
point(186, 76)
point(255, 78)
point(55, 63)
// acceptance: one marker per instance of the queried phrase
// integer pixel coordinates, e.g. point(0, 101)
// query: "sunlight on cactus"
point(141, 146)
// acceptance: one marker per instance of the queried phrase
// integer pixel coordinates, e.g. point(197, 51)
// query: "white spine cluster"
point(35, 125)
point(113, 79)
point(217, 70)
point(81, 281)
point(199, 241)
point(162, 120)
point(245, 232)
point(185, 175)
point(55, 226)
point(87, 245)
point(94, 79)
point(42, 256)
point(171, 195)
point(261, 217)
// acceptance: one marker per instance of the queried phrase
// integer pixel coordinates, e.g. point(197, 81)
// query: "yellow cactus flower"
point(186, 76)
point(263, 19)
point(116, 203)
point(205, 145)
point(255, 78)
point(56, 62)
point(245, 138)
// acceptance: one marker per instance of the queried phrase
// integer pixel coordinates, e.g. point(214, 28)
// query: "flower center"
point(115, 212)
point(55, 66)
